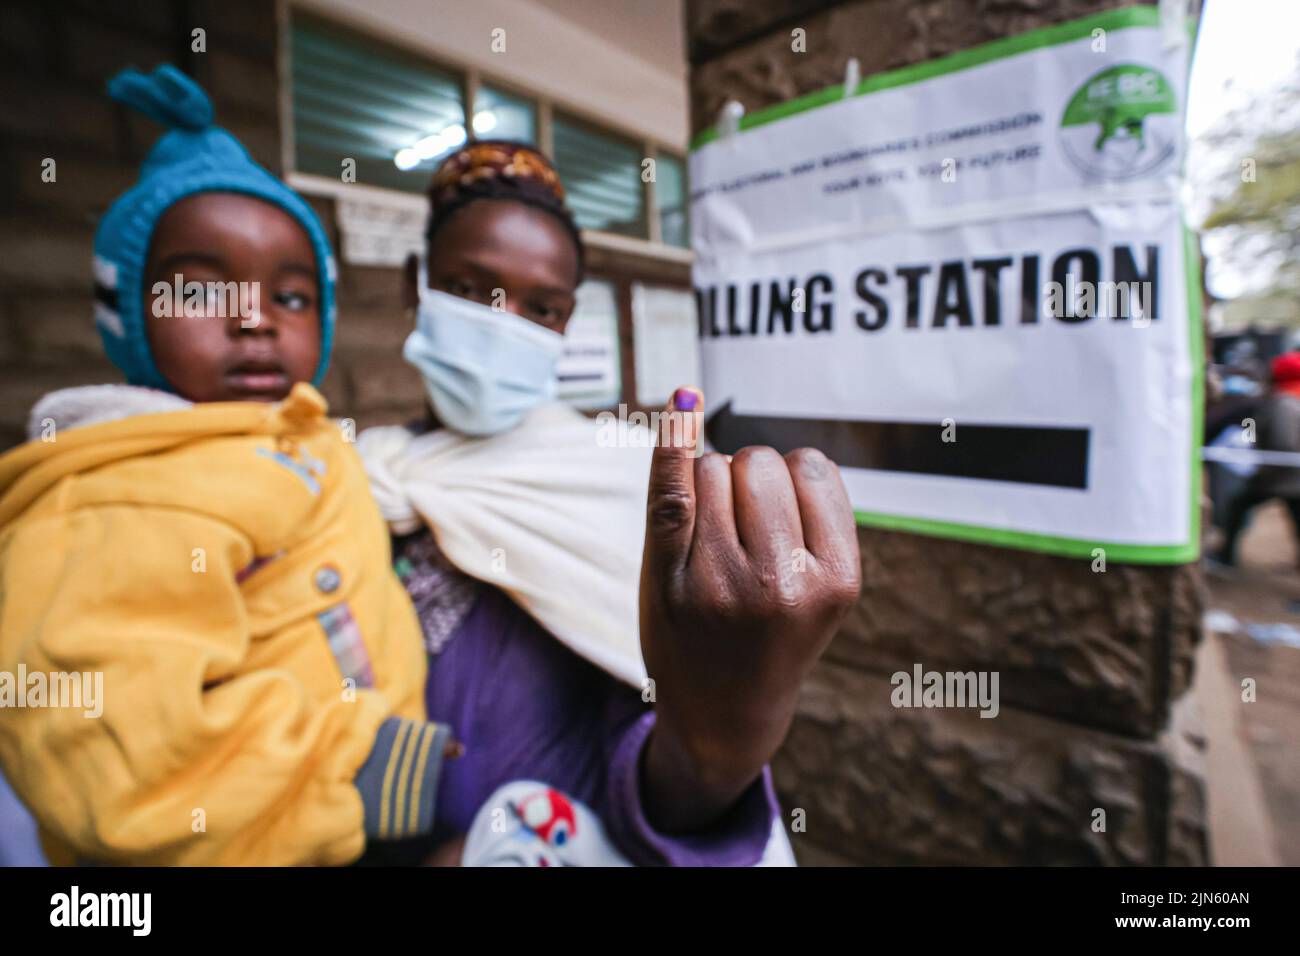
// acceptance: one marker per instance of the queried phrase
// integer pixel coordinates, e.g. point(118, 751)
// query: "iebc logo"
point(1121, 123)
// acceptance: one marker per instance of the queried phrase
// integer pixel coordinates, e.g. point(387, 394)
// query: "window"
point(500, 115)
point(602, 178)
point(395, 115)
point(670, 198)
point(391, 117)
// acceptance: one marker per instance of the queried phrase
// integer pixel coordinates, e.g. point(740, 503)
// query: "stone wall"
point(1091, 665)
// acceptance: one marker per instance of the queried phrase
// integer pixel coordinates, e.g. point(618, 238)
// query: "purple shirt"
point(528, 708)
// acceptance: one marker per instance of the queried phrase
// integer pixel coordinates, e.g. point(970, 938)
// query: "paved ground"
point(1253, 767)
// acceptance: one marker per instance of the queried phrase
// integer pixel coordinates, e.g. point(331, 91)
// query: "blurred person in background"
point(1234, 395)
point(1277, 428)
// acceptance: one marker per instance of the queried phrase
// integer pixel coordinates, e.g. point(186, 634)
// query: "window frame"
point(639, 145)
point(472, 78)
point(344, 31)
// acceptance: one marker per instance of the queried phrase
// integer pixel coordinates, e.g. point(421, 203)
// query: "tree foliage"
point(1248, 167)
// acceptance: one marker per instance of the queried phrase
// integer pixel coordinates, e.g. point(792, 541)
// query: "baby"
point(203, 542)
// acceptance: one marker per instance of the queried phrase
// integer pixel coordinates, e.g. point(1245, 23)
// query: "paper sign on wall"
point(970, 285)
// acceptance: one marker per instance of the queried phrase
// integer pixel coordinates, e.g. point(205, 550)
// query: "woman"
point(518, 529)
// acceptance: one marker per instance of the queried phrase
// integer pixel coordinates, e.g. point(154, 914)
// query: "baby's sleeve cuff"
point(399, 780)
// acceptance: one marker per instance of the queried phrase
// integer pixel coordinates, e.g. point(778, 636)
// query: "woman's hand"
point(750, 565)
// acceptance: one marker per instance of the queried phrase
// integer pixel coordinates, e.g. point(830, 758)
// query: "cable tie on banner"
point(729, 119)
point(852, 74)
point(1173, 23)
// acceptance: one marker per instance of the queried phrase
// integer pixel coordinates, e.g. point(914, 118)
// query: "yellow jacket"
point(225, 570)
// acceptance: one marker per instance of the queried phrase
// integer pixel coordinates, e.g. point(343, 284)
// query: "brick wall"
point(1092, 666)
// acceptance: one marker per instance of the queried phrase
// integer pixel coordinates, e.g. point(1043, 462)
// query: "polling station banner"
point(970, 284)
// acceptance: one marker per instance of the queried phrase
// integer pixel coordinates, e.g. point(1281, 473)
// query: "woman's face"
point(508, 255)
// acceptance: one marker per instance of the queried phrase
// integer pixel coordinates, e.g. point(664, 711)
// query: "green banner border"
point(1141, 16)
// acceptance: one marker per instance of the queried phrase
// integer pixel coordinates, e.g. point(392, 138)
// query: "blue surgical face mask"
point(484, 370)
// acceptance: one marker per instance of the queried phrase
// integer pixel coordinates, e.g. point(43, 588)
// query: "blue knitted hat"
point(193, 156)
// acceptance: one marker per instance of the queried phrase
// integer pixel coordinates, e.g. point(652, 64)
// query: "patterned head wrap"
point(499, 169)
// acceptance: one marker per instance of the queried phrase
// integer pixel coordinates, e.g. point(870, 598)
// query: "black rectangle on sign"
point(1026, 454)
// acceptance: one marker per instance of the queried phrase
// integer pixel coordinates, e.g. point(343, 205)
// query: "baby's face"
point(246, 323)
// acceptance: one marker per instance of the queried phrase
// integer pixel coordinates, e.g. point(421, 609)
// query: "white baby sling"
point(552, 512)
